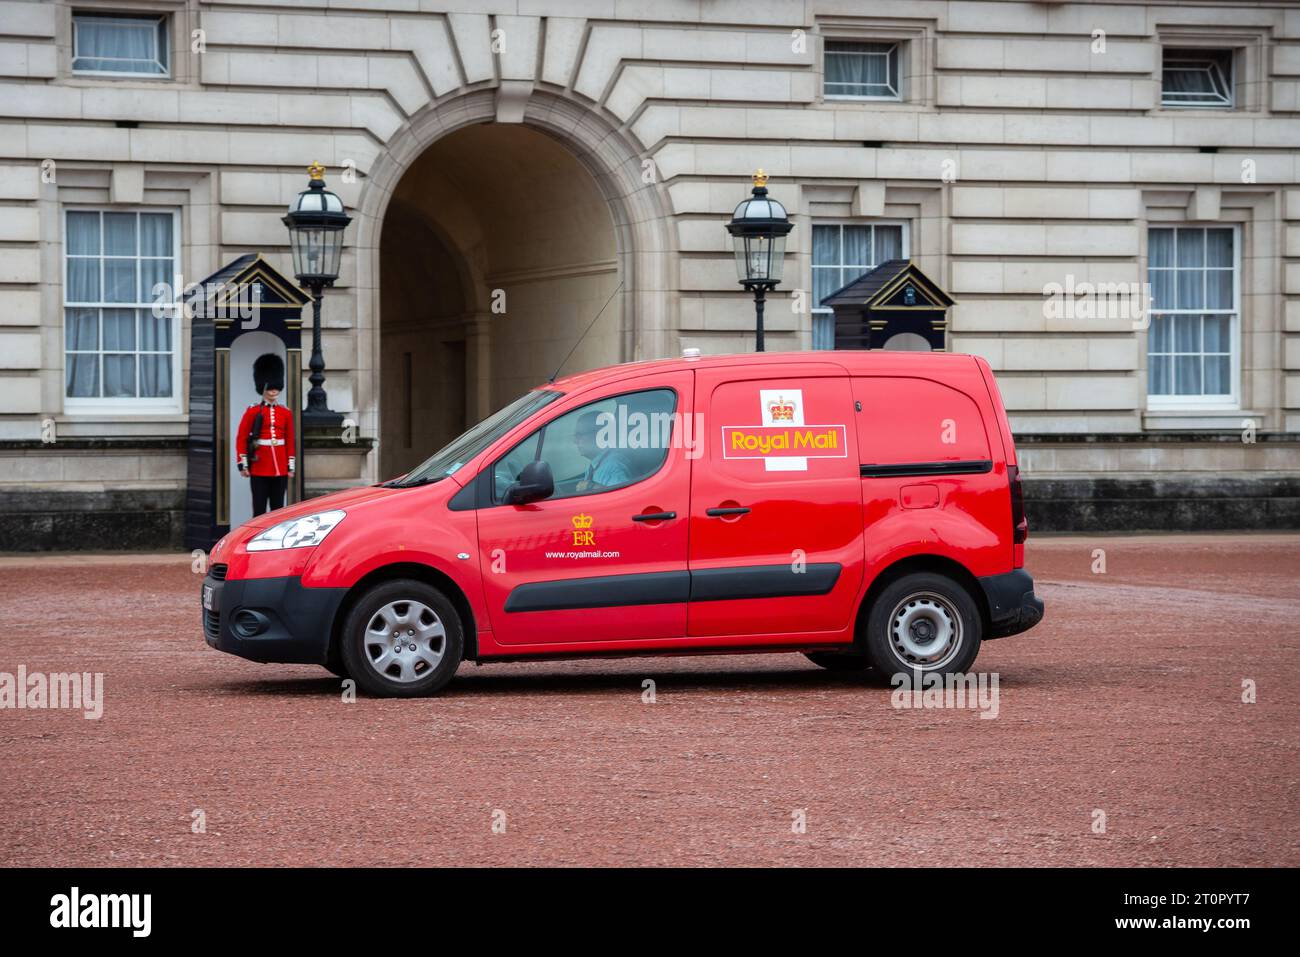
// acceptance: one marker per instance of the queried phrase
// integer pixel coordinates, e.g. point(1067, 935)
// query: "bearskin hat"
point(268, 372)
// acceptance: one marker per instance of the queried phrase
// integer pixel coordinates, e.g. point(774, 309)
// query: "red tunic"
point(275, 446)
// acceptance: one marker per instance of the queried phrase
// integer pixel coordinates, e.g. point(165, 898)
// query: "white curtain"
point(860, 69)
point(126, 351)
point(155, 337)
point(826, 259)
point(119, 352)
point(81, 330)
point(81, 326)
point(1188, 80)
point(889, 243)
point(857, 257)
point(1204, 80)
point(83, 274)
point(156, 234)
point(1190, 269)
point(1214, 340)
point(823, 330)
point(156, 255)
point(840, 255)
point(119, 45)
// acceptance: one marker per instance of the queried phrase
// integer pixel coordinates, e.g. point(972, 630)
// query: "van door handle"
point(654, 516)
point(716, 512)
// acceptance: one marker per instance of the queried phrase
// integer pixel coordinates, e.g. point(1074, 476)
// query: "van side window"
point(610, 443)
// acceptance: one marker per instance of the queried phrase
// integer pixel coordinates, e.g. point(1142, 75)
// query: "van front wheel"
point(923, 622)
point(402, 639)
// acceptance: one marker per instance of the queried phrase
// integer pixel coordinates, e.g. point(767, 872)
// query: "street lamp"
point(758, 228)
point(316, 221)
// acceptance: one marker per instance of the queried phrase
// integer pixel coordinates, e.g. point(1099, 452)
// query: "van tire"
point(913, 615)
point(838, 660)
point(383, 666)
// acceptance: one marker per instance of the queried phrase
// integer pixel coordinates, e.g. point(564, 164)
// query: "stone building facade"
point(519, 169)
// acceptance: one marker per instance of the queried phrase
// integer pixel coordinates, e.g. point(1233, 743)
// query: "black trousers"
point(268, 488)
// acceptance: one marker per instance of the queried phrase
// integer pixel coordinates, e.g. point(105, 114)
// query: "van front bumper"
point(269, 619)
point(1013, 606)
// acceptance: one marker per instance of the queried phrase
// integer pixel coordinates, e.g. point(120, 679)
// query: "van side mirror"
point(534, 483)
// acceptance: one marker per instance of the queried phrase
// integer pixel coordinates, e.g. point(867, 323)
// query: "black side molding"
point(667, 588)
point(763, 581)
point(606, 591)
point(968, 467)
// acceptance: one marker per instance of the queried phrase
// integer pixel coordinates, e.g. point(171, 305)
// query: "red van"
point(863, 508)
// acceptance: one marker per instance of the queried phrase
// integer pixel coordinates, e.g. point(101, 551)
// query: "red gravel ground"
point(1127, 699)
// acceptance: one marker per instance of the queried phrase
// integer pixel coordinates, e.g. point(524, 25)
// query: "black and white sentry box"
point(895, 301)
point(243, 310)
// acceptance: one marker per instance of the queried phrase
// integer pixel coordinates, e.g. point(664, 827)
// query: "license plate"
point(207, 597)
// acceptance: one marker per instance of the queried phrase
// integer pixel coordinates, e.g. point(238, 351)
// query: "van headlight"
point(305, 532)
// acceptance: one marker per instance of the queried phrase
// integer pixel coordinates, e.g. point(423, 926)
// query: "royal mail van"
point(863, 508)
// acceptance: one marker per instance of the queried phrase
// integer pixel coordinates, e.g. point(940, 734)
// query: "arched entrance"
point(488, 248)
point(423, 378)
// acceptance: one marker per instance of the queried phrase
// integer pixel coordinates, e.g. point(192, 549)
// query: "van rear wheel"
point(923, 622)
point(402, 639)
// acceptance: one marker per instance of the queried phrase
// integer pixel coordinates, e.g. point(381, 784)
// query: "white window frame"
point(895, 54)
point(833, 221)
point(162, 43)
point(1208, 403)
point(906, 253)
point(100, 405)
point(1189, 53)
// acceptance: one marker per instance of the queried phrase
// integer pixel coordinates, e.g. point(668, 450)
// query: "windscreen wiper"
point(423, 480)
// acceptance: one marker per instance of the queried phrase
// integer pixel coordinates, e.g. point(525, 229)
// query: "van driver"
point(609, 468)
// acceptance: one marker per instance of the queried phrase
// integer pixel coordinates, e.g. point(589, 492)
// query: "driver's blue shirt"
point(608, 469)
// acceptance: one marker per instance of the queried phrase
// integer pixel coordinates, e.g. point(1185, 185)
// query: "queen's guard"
point(264, 443)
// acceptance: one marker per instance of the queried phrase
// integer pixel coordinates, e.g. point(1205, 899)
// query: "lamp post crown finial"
point(760, 177)
point(316, 171)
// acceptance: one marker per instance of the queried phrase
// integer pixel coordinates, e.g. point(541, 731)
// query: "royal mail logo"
point(783, 440)
point(582, 533)
point(757, 441)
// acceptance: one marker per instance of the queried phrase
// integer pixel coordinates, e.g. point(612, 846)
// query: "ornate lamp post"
point(316, 221)
point(758, 228)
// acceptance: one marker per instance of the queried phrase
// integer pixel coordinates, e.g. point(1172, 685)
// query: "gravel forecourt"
point(1127, 700)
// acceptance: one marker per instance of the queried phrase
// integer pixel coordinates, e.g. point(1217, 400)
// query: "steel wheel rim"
point(404, 641)
point(925, 631)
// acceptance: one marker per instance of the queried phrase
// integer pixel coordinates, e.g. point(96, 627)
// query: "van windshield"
point(460, 450)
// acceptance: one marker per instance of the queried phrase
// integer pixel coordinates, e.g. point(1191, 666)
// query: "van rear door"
point(933, 477)
point(776, 523)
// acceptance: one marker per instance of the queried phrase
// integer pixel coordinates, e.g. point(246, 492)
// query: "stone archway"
point(423, 383)
point(553, 131)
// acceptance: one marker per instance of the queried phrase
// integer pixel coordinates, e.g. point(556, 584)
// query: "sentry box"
point(863, 508)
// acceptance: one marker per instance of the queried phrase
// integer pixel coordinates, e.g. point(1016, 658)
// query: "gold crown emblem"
point(781, 409)
point(316, 171)
point(760, 178)
point(582, 520)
